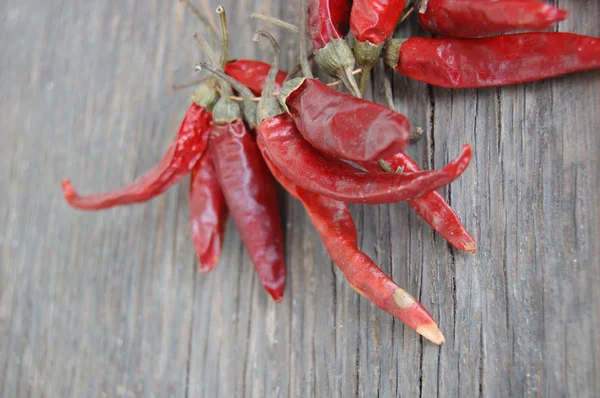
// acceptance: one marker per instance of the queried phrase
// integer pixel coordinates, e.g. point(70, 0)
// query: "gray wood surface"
point(110, 304)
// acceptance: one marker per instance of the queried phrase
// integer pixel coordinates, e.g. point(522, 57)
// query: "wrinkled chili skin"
point(328, 20)
point(251, 196)
point(468, 18)
point(333, 221)
point(375, 20)
point(493, 61)
point(430, 207)
point(253, 74)
point(208, 213)
point(188, 147)
point(344, 126)
point(323, 174)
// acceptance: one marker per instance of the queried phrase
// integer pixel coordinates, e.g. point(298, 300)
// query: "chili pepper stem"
point(306, 71)
point(224, 36)
point(337, 60)
point(210, 54)
point(366, 54)
point(206, 21)
point(275, 21)
point(268, 106)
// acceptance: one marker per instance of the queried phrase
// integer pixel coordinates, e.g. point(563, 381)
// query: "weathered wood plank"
point(111, 304)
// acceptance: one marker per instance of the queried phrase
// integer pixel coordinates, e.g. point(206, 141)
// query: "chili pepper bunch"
point(302, 132)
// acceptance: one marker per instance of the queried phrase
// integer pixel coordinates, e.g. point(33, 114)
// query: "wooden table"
point(111, 304)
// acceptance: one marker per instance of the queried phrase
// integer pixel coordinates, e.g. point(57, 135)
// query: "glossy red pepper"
point(333, 221)
point(493, 61)
point(188, 147)
point(317, 172)
point(430, 207)
point(372, 22)
point(328, 23)
point(208, 213)
point(342, 125)
point(252, 74)
point(252, 199)
point(468, 18)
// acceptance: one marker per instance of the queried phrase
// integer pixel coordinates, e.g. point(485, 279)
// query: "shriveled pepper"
point(208, 213)
point(328, 24)
point(188, 147)
point(253, 74)
point(250, 193)
point(430, 207)
point(333, 221)
point(342, 125)
point(372, 22)
point(329, 176)
point(468, 18)
point(323, 174)
point(493, 61)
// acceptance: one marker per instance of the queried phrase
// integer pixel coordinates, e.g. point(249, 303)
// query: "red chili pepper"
point(333, 221)
point(468, 18)
point(493, 61)
point(328, 23)
point(250, 193)
point(430, 207)
point(329, 176)
point(189, 145)
point(342, 125)
point(208, 213)
point(372, 22)
point(252, 74)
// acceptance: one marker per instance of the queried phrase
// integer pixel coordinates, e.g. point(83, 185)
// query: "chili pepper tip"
point(432, 333)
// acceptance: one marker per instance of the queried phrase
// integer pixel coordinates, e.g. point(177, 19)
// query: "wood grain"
point(110, 304)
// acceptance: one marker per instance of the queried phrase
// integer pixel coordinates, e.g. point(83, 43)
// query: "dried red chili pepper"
point(372, 22)
point(189, 145)
point(493, 61)
point(208, 213)
point(328, 24)
point(317, 172)
point(333, 221)
point(252, 74)
point(329, 176)
point(430, 207)
point(468, 18)
point(342, 125)
point(250, 193)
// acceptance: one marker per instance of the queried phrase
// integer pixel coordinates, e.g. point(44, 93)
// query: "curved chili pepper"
point(468, 18)
point(329, 176)
point(333, 221)
point(251, 197)
point(328, 23)
point(342, 125)
point(252, 74)
point(208, 213)
point(188, 147)
point(372, 22)
point(430, 207)
point(493, 61)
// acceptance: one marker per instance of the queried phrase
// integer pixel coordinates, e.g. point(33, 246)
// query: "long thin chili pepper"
point(329, 176)
point(317, 172)
point(253, 74)
point(493, 61)
point(342, 125)
point(250, 193)
point(468, 18)
point(430, 207)
point(372, 22)
point(333, 221)
point(208, 213)
point(328, 24)
point(181, 156)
